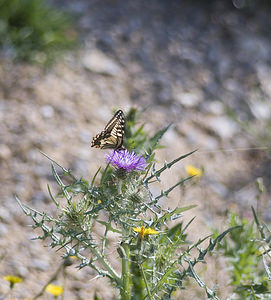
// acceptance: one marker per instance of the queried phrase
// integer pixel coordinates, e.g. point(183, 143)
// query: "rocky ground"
point(204, 67)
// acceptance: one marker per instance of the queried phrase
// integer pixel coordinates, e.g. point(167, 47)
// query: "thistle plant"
point(155, 258)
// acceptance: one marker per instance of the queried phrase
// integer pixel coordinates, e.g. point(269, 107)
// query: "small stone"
point(5, 215)
point(222, 126)
point(47, 111)
point(199, 139)
point(97, 62)
point(219, 189)
point(190, 99)
point(5, 152)
point(162, 90)
point(264, 75)
point(40, 265)
point(3, 230)
point(214, 107)
point(21, 270)
point(261, 110)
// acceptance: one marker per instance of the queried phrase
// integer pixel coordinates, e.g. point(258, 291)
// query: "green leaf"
point(94, 177)
point(170, 214)
point(163, 279)
point(105, 174)
point(52, 197)
point(175, 230)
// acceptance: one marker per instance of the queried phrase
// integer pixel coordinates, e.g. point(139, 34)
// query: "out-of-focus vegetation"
point(242, 252)
point(30, 30)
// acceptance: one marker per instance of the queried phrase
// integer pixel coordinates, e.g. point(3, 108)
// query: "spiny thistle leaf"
point(167, 166)
point(260, 227)
point(52, 197)
point(218, 239)
point(60, 183)
point(165, 193)
point(168, 215)
point(154, 142)
point(191, 272)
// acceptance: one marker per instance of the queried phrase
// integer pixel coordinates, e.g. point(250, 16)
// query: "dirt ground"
point(205, 68)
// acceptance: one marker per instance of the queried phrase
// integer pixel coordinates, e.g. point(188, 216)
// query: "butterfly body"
point(112, 135)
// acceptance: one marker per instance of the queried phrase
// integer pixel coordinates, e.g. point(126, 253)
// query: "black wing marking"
point(112, 135)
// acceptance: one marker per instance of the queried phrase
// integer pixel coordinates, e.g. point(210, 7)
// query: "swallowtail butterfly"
point(112, 135)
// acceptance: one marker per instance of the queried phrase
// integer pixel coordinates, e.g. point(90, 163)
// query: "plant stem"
point(125, 289)
point(106, 265)
point(138, 289)
point(125, 276)
point(146, 282)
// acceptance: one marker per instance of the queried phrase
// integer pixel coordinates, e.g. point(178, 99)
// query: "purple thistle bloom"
point(123, 159)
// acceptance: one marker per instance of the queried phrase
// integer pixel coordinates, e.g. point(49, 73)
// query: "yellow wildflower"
point(144, 231)
point(12, 280)
point(193, 171)
point(99, 201)
point(54, 290)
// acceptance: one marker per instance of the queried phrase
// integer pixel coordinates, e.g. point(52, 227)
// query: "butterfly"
point(112, 135)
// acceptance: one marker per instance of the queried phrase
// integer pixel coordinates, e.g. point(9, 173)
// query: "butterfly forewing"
point(112, 135)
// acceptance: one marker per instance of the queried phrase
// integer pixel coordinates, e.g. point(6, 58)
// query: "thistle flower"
point(54, 290)
point(193, 171)
point(129, 161)
point(12, 280)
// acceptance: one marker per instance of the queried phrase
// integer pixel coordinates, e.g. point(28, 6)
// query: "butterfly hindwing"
point(112, 135)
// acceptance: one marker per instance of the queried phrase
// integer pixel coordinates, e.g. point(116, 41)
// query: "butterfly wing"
point(112, 135)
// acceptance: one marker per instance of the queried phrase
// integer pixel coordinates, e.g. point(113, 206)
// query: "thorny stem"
point(105, 264)
point(104, 240)
point(125, 276)
point(125, 290)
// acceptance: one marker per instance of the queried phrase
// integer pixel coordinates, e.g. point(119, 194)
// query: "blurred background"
point(204, 66)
